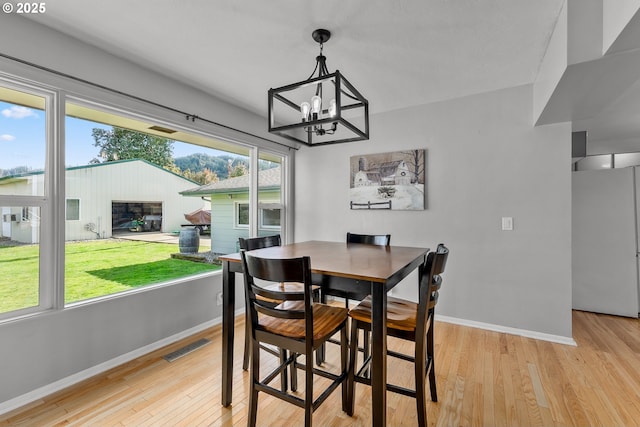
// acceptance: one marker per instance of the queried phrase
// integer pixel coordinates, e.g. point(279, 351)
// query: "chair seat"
point(326, 319)
point(401, 314)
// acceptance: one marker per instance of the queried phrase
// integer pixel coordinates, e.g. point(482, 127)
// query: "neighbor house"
point(103, 199)
point(230, 207)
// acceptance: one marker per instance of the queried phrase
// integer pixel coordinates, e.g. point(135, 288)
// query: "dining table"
point(358, 269)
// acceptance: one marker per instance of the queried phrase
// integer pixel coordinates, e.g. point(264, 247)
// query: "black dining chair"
point(353, 238)
point(253, 243)
point(297, 324)
point(409, 321)
point(369, 239)
point(360, 239)
point(250, 244)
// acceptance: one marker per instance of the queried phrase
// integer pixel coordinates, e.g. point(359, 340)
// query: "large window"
point(132, 186)
point(19, 261)
point(133, 178)
point(23, 148)
point(23, 142)
point(270, 194)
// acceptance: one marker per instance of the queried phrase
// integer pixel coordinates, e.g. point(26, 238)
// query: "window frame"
point(59, 90)
point(25, 214)
point(236, 215)
point(264, 206)
point(47, 265)
point(66, 210)
point(261, 209)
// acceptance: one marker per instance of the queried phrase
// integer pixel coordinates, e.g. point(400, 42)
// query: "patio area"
point(205, 240)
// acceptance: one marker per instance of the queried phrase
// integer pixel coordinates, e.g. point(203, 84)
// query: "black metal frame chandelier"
point(323, 109)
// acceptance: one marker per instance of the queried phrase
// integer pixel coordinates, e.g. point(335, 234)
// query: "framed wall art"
point(388, 181)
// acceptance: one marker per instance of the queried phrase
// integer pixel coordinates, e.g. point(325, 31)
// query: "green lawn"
point(92, 269)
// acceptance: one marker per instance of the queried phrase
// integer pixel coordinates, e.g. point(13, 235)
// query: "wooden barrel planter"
point(189, 241)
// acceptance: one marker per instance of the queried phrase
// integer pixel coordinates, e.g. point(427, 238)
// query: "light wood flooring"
point(484, 379)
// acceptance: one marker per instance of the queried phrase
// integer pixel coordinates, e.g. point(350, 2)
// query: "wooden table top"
point(356, 261)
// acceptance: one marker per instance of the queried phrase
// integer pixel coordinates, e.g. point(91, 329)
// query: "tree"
point(217, 164)
point(415, 159)
point(16, 171)
point(239, 170)
point(123, 144)
point(204, 176)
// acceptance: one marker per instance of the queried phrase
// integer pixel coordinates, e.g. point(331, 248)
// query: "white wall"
point(616, 15)
point(484, 161)
point(41, 350)
point(553, 65)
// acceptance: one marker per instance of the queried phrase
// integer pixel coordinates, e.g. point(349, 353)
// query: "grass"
point(92, 269)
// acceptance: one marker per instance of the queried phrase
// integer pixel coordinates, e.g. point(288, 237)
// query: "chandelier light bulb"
point(304, 110)
point(316, 104)
point(332, 108)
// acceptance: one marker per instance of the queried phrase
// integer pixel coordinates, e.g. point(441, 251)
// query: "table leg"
point(379, 354)
point(228, 310)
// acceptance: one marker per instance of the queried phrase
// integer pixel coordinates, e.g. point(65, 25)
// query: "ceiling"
point(397, 53)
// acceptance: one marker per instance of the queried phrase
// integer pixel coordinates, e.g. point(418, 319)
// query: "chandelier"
point(323, 109)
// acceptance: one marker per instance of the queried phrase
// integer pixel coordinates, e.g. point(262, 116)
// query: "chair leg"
point(308, 390)
point(320, 355)
point(283, 375)
point(353, 354)
point(419, 365)
point(320, 352)
point(431, 365)
point(294, 373)
point(255, 377)
point(344, 357)
point(432, 382)
point(247, 343)
point(366, 348)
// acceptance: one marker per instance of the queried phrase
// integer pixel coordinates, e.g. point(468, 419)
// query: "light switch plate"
point(507, 223)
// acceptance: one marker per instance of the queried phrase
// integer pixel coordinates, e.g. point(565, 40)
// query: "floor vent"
point(185, 350)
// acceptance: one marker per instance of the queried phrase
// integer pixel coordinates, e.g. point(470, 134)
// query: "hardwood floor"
point(484, 379)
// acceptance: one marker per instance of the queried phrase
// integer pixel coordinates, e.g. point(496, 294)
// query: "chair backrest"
point(431, 281)
point(278, 271)
point(259, 242)
point(369, 239)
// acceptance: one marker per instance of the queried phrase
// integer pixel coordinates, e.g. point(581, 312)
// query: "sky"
point(22, 139)
point(21, 136)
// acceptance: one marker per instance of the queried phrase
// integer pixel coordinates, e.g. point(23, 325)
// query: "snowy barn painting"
point(393, 181)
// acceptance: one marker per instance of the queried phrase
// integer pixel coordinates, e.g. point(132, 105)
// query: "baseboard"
point(507, 330)
point(63, 383)
point(497, 328)
point(49, 389)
